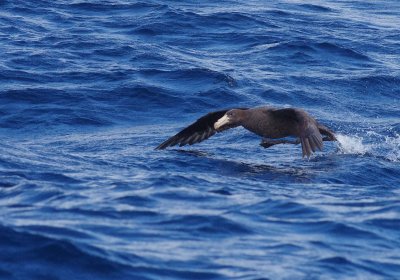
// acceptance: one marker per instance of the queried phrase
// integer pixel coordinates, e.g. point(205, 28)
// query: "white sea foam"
point(351, 145)
point(394, 144)
point(387, 147)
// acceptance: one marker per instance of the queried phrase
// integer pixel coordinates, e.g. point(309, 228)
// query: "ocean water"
point(89, 89)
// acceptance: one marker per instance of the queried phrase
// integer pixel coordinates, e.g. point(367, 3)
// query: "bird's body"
point(267, 122)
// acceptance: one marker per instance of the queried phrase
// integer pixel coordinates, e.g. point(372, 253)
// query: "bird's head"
point(231, 118)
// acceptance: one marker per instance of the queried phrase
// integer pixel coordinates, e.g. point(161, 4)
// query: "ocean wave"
point(115, 6)
point(212, 225)
point(51, 256)
point(317, 8)
point(320, 50)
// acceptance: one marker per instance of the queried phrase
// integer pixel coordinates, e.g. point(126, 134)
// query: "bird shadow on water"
point(279, 173)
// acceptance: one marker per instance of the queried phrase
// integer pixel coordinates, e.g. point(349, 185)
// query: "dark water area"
point(88, 89)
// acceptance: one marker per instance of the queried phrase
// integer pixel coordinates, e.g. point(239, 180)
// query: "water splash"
point(380, 146)
point(394, 147)
point(352, 145)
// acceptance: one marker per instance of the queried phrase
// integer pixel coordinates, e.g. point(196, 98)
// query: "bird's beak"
point(221, 122)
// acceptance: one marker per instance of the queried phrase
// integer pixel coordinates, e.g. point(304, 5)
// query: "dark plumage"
point(267, 122)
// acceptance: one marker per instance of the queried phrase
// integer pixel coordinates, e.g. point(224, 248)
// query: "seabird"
point(268, 122)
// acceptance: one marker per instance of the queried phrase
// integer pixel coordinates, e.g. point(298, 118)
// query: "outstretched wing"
point(198, 131)
point(305, 127)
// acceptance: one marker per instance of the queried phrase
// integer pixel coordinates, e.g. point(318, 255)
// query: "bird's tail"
point(330, 136)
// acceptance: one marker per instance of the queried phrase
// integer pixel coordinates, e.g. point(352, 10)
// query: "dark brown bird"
point(267, 122)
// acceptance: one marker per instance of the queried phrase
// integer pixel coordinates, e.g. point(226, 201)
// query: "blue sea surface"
point(89, 88)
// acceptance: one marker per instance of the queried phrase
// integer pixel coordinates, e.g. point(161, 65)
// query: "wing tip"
point(167, 143)
point(162, 146)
